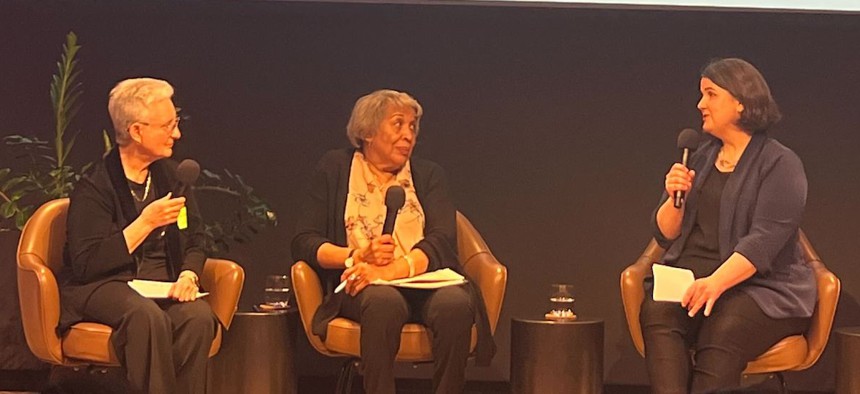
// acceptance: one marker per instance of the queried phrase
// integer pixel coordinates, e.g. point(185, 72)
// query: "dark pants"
point(382, 312)
point(163, 345)
point(736, 332)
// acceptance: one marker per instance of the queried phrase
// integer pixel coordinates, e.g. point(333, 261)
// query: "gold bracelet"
point(411, 265)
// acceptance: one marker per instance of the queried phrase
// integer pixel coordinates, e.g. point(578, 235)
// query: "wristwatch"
point(349, 262)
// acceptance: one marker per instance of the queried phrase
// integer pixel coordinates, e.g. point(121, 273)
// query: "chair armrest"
point(223, 279)
point(829, 287)
point(39, 298)
point(633, 291)
point(492, 278)
point(309, 296)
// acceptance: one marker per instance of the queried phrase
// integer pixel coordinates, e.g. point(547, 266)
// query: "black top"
point(152, 261)
point(701, 254)
point(100, 208)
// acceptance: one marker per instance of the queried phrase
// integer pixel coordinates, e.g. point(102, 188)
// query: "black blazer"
point(760, 213)
point(101, 206)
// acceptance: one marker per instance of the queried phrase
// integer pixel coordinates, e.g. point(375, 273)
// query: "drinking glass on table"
point(277, 292)
point(561, 302)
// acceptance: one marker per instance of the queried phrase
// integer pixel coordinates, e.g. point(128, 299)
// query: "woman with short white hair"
point(122, 225)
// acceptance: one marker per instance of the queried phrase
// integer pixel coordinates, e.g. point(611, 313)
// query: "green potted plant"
point(44, 172)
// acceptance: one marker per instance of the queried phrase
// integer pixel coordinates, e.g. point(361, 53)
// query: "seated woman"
point(340, 234)
point(121, 227)
point(738, 233)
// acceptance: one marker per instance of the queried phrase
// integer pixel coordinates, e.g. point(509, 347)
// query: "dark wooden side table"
point(556, 357)
point(257, 355)
point(847, 360)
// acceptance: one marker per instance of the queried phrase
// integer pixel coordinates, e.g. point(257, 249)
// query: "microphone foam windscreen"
point(688, 139)
point(187, 171)
point(395, 196)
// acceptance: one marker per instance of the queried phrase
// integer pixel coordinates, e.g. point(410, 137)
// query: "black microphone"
point(395, 196)
point(688, 141)
point(186, 174)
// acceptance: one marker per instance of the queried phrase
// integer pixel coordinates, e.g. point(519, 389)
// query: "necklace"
point(725, 163)
point(145, 189)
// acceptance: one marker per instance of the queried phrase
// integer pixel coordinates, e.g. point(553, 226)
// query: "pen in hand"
point(342, 285)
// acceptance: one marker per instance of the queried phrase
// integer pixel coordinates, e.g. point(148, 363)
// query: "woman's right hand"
point(380, 251)
point(163, 211)
point(679, 178)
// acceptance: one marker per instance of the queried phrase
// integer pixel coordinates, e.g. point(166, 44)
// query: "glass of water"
point(561, 302)
point(277, 292)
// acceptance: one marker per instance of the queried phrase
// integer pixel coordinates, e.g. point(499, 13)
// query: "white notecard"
point(670, 283)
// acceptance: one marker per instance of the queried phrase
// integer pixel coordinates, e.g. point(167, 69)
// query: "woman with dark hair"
point(340, 234)
point(738, 233)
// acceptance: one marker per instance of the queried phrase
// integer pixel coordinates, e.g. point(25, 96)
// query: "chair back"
point(40, 254)
point(632, 293)
point(480, 264)
point(309, 296)
point(829, 287)
point(44, 235)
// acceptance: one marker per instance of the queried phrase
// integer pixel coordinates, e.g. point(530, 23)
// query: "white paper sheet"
point(670, 283)
point(154, 289)
point(428, 280)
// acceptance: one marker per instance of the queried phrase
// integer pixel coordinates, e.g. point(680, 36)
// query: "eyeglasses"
point(169, 127)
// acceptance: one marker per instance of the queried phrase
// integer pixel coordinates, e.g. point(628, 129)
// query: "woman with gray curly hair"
point(340, 234)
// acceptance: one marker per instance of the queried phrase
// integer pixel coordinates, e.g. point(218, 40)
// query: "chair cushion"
point(415, 343)
point(89, 342)
point(785, 355)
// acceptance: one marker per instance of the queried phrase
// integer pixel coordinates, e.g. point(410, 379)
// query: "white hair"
point(369, 111)
point(129, 102)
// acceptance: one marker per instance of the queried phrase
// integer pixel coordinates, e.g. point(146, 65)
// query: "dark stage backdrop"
point(556, 125)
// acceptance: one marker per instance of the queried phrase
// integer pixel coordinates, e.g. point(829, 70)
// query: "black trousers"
point(163, 345)
point(708, 354)
point(382, 312)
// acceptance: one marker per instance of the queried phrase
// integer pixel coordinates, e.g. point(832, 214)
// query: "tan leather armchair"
point(40, 254)
point(793, 353)
point(342, 339)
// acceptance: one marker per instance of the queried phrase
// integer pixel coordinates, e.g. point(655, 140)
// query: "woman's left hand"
point(360, 276)
point(703, 292)
point(183, 290)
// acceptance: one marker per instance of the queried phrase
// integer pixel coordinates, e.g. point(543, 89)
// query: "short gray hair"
point(369, 110)
point(129, 102)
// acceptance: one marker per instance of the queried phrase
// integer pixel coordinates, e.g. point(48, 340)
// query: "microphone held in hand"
point(395, 196)
point(186, 174)
point(688, 141)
